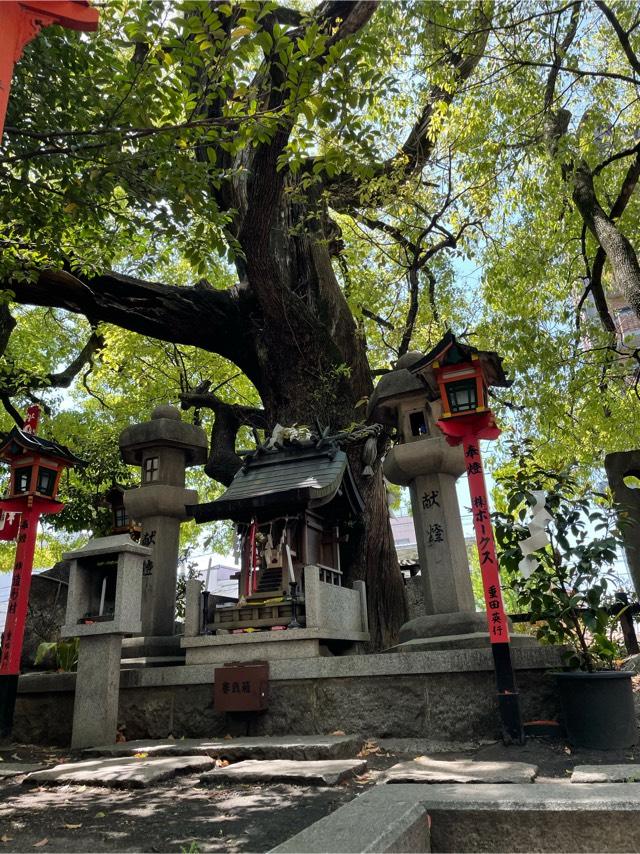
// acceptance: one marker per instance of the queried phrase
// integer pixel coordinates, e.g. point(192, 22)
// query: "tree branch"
point(160, 311)
point(412, 311)
point(419, 145)
point(622, 34)
point(223, 461)
point(559, 52)
point(64, 378)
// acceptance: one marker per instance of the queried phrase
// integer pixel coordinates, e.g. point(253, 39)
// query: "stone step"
point(427, 769)
point(323, 772)
point(154, 661)
point(126, 772)
point(152, 647)
point(546, 817)
point(606, 774)
point(301, 747)
point(14, 769)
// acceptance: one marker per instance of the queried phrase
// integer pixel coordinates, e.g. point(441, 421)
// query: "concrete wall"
point(438, 695)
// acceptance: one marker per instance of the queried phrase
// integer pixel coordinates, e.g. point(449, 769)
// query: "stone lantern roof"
point(414, 375)
point(164, 430)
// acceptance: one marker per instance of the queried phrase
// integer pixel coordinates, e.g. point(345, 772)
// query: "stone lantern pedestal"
point(430, 468)
point(424, 461)
point(103, 604)
point(163, 448)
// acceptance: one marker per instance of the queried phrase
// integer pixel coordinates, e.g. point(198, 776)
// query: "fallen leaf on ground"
point(100, 814)
point(6, 838)
point(140, 755)
point(228, 737)
point(337, 732)
point(71, 826)
point(368, 748)
point(41, 843)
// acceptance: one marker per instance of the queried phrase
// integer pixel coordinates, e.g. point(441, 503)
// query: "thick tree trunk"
point(312, 363)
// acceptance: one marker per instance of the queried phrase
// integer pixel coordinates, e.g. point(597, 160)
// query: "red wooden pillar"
point(508, 698)
point(19, 596)
point(20, 22)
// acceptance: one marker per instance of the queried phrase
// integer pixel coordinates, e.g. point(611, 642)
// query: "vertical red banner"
point(496, 617)
point(19, 595)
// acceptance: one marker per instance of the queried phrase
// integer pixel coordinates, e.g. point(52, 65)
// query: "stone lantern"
point(423, 461)
point(103, 604)
point(163, 448)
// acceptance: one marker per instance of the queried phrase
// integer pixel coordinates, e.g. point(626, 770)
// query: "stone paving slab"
point(426, 769)
point(127, 772)
point(300, 747)
point(14, 769)
point(606, 774)
point(327, 772)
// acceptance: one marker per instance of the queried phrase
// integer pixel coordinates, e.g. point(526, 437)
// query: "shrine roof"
point(17, 439)
point(289, 479)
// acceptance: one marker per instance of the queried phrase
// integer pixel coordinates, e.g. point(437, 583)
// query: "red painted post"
point(19, 596)
point(496, 617)
point(20, 22)
point(508, 698)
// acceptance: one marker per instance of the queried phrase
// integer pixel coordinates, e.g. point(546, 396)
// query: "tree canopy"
point(254, 207)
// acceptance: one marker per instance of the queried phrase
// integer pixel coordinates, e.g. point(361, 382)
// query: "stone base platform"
point(152, 651)
point(456, 630)
point(443, 696)
point(268, 646)
point(475, 640)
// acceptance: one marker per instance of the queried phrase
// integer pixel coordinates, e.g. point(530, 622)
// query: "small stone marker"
point(328, 772)
point(280, 747)
point(606, 774)
point(14, 769)
point(127, 772)
point(425, 769)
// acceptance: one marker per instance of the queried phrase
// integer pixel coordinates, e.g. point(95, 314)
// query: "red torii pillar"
point(22, 20)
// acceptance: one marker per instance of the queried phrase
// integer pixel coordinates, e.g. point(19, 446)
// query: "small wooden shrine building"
point(293, 503)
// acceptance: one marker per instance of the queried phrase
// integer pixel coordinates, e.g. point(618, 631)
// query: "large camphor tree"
point(218, 129)
point(269, 199)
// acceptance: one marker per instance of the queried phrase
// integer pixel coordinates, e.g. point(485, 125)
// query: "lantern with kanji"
point(462, 376)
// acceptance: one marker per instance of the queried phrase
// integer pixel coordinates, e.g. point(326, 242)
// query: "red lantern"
point(36, 467)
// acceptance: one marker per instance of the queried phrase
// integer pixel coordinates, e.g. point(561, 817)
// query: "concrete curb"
point(467, 817)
